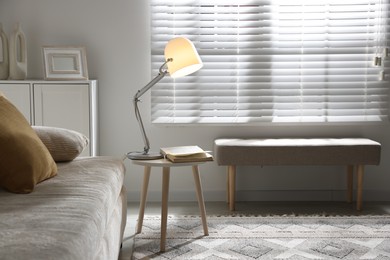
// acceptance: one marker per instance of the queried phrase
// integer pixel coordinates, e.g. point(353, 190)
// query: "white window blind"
point(274, 61)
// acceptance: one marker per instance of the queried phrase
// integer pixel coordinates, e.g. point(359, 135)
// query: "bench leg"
point(227, 186)
point(232, 186)
point(349, 183)
point(359, 197)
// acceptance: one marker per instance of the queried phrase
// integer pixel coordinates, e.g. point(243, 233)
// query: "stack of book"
point(191, 153)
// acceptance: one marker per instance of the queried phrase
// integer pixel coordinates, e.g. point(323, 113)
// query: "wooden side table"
point(166, 165)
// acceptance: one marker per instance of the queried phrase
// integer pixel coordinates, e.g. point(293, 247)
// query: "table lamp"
point(181, 59)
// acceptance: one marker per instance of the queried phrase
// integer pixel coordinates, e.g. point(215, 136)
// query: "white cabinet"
point(66, 104)
point(20, 95)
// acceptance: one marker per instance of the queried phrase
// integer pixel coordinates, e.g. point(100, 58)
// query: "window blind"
point(274, 61)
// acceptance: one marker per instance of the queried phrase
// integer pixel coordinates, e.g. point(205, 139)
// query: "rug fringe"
point(238, 215)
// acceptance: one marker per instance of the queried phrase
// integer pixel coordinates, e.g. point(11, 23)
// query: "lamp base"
point(144, 156)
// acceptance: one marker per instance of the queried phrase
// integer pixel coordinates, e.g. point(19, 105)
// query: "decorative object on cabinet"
point(63, 104)
point(17, 54)
point(181, 59)
point(4, 58)
point(65, 62)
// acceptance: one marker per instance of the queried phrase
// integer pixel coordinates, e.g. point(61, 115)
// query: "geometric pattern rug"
point(271, 237)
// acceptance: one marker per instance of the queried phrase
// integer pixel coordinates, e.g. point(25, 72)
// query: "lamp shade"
point(185, 58)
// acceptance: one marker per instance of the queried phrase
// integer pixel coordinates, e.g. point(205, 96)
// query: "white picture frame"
point(65, 63)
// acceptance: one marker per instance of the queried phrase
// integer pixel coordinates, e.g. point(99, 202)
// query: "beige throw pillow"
point(63, 144)
point(24, 159)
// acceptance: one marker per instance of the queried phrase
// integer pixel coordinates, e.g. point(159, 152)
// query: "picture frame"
point(65, 63)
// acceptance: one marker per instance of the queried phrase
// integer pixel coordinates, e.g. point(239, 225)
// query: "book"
point(191, 153)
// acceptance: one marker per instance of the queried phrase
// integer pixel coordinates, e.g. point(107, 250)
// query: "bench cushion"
point(297, 151)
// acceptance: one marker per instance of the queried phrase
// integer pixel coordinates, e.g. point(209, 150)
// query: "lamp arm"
point(136, 99)
point(141, 125)
point(161, 74)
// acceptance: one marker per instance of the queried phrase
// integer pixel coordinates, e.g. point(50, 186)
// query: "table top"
point(164, 163)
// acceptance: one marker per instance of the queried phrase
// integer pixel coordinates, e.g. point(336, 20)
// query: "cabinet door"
point(65, 106)
point(19, 95)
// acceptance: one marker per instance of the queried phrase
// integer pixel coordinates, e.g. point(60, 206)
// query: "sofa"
point(53, 203)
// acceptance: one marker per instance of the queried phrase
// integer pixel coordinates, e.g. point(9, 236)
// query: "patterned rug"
point(281, 237)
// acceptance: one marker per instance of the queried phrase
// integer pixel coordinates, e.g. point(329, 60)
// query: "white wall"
point(116, 34)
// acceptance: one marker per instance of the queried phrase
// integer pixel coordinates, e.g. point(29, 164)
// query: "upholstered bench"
point(352, 152)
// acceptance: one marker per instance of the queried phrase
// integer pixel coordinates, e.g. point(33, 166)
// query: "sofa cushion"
point(24, 159)
point(63, 144)
point(66, 217)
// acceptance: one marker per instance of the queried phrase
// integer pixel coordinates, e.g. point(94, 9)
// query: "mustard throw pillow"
point(24, 159)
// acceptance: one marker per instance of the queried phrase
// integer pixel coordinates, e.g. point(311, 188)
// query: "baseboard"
point(280, 195)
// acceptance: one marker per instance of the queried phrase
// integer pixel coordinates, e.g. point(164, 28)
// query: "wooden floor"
point(247, 208)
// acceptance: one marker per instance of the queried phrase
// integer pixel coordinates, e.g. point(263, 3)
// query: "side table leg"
point(143, 198)
point(164, 207)
point(199, 195)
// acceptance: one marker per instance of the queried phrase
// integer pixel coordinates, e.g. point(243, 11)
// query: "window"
point(274, 61)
